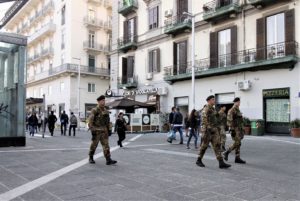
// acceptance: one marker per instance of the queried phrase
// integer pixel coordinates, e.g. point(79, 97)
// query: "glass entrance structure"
point(12, 89)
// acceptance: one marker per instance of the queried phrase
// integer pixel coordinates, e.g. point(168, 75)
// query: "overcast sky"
point(3, 8)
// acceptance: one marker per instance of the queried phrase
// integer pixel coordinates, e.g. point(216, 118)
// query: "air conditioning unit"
point(168, 13)
point(149, 76)
point(162, 91)
point(244, 85)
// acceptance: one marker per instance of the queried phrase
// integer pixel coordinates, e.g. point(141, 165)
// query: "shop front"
point(277, 110)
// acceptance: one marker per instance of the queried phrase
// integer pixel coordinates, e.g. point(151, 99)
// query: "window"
point(63, 15)
point(62, 86)
point(63, 39)
point(180, 57)
point(91, 87)
point(92, 63)
point(91, 39)
point(153, 18)
point(49, 90)
point(275, 35)
point(130, 30)
point(154, 61)
point(91, 15)
point(224, 47)
point(42, 67)
point(41, 91)
point(127, 69)
point(62, 58)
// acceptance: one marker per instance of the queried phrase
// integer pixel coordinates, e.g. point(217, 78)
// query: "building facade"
point(243, 48)
point(63, 35)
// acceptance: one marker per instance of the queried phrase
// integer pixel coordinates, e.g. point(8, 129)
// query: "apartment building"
point(243, 48)
point(63, 35)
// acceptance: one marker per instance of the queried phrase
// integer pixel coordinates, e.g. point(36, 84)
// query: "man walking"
point(73, 124)
point(171, 116)
point(235, 124)
point(210, 133)
point(99, 126)
point(51, 122)
point(223, 123)
point(64, 121)
point(177, 125)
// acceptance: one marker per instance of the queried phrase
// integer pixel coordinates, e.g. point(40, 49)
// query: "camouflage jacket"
point(234, 118)
point(209, 118)
point(222, 118)
point(99, 118)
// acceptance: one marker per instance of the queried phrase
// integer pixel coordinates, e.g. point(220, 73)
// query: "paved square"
point(148, 168)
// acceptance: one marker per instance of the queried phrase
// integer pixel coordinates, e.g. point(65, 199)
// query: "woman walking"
point(120, 128)
point(193, 126)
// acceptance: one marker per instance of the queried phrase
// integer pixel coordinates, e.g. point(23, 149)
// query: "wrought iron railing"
point(95, 46)
point(132, 80)
point(213, 6)
point(125, 40)
point(269, 52)
point(177, 20)
point(93, 21)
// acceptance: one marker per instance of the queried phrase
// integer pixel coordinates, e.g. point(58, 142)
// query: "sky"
point(3, 8)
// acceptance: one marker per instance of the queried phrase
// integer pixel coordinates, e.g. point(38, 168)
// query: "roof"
point(14, 9)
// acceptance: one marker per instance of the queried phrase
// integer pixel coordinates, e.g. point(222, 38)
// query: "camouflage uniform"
point(99, 125)
point(235, 122)
point(223, 122)
point(210, 132)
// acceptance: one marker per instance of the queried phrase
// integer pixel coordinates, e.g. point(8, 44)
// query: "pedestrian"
point(210, 133)
point(98, 124)
point(193, 126)
point(32, 122)
point(64, 121)
point(223, 123)
point(26, 119)
point(39, 122)
point(177, 124)
point(120, 128)
point(73, 124)
point(171, 117)
point(51, 122)
point(186, 125)
point(235, 124)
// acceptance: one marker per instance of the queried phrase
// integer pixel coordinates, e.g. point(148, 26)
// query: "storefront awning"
point(126, 103)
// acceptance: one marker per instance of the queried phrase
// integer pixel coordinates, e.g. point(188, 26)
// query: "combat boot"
point(223, 165)
point(239, 160)
point(109, 161)
point(91, 159)
point(225, 154)
point(199, 163)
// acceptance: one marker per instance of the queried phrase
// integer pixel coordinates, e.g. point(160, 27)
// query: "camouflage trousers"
point(237, 134)
point(102, 136)
point(212, 136)
point(223, 135)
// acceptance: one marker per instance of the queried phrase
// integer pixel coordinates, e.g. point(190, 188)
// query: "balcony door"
point(224, 47)
point(180, 57)
point(130, 30)
point(183, 6)
point(92, 15)
point(92, 63)
point(127, 69)
point(91, 39)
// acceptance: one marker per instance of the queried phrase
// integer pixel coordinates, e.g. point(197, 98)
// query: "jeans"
point(31, 129)
point(193, 133)
point(63, 128)
point(72, 127)
point(179, 129)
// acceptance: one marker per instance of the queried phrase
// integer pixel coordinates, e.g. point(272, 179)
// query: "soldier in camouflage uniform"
point(235, 124)
point(99, 126)
point(223, 122)
point(210, 133)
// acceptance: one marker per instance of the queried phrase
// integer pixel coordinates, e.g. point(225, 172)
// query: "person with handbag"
point(73, 124)
point(120, 128)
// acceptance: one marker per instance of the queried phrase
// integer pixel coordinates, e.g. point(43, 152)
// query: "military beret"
point(237, 99)
point(210, 97)
point(100, 98)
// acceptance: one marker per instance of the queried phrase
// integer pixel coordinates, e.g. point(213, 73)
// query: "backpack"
point(73, 120)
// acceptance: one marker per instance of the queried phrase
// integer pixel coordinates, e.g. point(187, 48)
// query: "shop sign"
point(269, 93)
point(141, 92)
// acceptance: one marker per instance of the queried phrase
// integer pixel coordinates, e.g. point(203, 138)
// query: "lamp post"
point(78, 92)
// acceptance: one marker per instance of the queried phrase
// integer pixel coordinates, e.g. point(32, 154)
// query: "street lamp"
point(78, 86)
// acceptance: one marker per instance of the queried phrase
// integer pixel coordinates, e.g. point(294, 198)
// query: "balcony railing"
point(280, 55)
point(69, 68)
point(95, 47)
point(43, 12)
point(44, 53)
point(127, 6)
point(48, 28)
point(127, 82)
point(176, 24)
point(264, 2)
point(219, 9)
point(128, 42)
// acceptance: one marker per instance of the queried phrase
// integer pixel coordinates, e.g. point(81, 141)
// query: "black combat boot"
point(239, 160)
point(225, 154)
point(109, 161)
point(223, 165)
point(223, 148)
point(91, 159)
point(199, 163)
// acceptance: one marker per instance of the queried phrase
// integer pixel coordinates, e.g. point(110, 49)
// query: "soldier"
point(210, 133)
point(223, 122)
point(235, 124)
point(99, 126)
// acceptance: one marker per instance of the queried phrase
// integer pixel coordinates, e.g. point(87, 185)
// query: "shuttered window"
point(154, 61)
point(180, 57)
point(153, 18)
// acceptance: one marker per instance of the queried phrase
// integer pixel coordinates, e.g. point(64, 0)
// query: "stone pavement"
point(148, 168)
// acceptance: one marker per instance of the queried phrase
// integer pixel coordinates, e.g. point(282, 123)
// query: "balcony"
point(69, 70)
point(95, 2)
point(278, 56)
point(37, 57)
point(221, 9)
point(127, 43)
point(177, 24)
point(48, 8)
point(128, 83)
point(45, 31)
point(93, 23)
point(95, 48)
point(261, 3)
point(127, 6)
